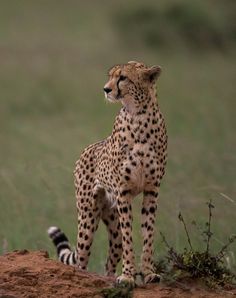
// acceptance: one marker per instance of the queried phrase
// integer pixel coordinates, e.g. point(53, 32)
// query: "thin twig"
point(165, 241)
point(186, 230)
point(209, 233)
point(221, 253)
point(227, 197)
point(200, 229)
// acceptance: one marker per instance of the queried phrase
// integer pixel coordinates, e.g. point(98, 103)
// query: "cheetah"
point(110, 173)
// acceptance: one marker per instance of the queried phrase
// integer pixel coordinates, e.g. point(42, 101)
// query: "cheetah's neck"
point(140, 105)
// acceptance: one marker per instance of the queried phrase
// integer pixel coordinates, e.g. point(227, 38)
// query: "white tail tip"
point(52, 230)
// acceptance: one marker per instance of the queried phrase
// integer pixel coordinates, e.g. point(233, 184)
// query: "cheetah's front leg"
point(125, 217)
point(149, 208)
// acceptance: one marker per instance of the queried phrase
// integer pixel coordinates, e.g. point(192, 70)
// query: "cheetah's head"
point(131, 81)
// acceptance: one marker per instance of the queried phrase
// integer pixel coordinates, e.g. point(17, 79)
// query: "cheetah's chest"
point(139, 166)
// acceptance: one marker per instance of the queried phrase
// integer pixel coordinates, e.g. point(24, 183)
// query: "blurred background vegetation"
point(54, 57)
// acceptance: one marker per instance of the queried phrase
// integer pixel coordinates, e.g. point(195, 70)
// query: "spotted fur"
point(110, 173)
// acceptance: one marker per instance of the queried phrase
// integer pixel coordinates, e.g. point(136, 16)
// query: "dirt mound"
point(33, 275)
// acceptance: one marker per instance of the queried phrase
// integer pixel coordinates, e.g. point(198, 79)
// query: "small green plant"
point(195, 264)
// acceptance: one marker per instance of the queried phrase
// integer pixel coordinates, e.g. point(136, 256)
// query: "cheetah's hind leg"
point(110, 218)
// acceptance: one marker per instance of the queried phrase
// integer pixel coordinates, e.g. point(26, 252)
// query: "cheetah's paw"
point(125, 280)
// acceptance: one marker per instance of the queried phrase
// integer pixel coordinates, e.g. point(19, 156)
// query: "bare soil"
point(33, 275)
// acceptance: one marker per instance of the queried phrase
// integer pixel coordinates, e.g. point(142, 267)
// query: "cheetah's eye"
point(122, 78)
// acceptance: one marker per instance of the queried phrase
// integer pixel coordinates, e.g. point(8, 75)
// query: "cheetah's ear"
point(152, 73)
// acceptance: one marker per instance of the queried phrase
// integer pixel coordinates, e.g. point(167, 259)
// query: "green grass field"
point(54, 58)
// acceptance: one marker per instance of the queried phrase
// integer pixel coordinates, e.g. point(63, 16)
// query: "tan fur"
point(110, 173)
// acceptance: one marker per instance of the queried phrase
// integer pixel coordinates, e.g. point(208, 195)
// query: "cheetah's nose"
point(107, 90)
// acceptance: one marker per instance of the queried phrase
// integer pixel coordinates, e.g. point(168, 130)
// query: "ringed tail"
point(64, 252)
